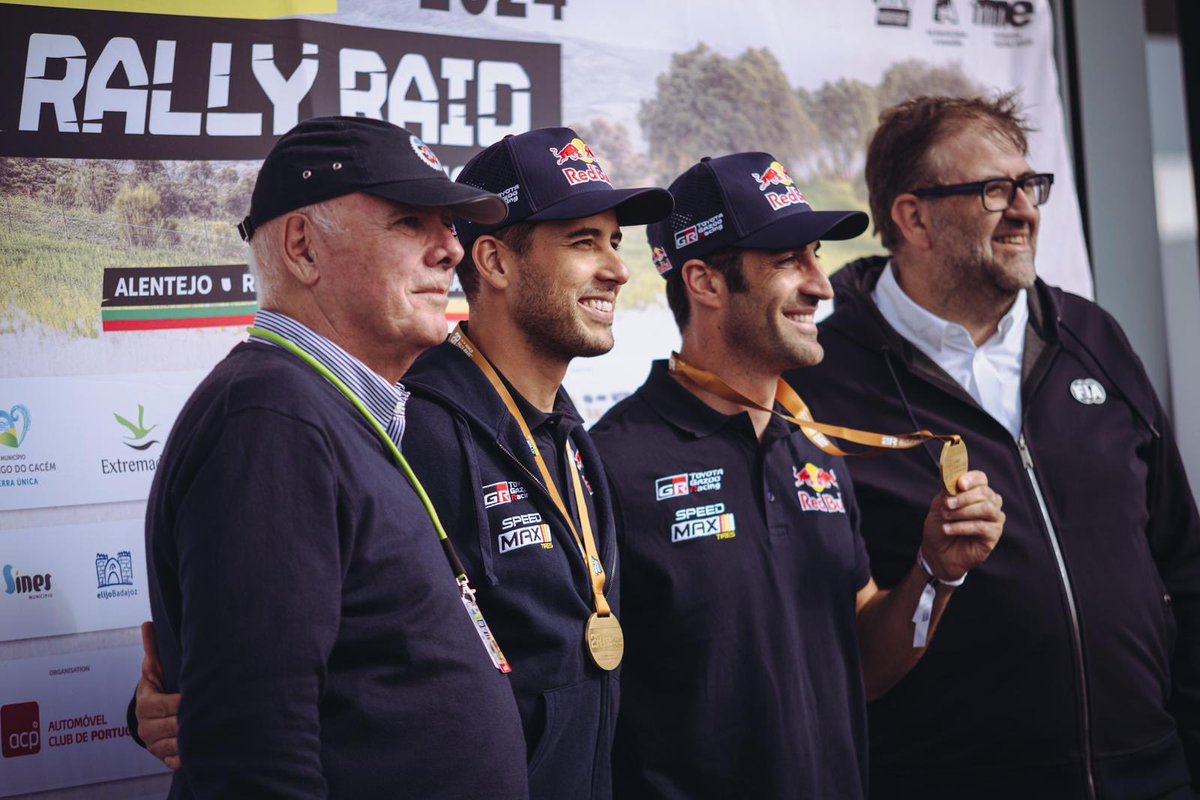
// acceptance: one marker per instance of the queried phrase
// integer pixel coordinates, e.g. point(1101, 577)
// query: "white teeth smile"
point(604, 306)
point(1019, 239)
point(809, 317)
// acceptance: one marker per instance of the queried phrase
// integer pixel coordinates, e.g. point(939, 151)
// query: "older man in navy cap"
point(325, 641)
point(746, 586)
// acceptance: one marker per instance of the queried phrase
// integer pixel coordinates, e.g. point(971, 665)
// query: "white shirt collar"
point(995, 384)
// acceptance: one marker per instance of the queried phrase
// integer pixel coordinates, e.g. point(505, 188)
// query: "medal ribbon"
point(817, 432)
point(587, 542)
point(456, 566)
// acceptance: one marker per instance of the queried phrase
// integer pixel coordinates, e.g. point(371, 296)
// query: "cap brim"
point(801, 229)
point(633, 206)
point(467, 202)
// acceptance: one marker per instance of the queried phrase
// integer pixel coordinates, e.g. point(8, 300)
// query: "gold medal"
point(605, 641)
point(953, 463)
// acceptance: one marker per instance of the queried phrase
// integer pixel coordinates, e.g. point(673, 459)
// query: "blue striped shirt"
point(385, 401)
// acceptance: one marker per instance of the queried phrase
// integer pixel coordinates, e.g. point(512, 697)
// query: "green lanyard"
point(460, 573)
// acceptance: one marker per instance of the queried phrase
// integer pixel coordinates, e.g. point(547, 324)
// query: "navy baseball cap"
point(551, 174)
point(744, 200)
point(327, 157)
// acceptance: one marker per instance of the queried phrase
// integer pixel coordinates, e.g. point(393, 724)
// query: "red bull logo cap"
point(745, 200)
point(327, 157)
point(552, 174)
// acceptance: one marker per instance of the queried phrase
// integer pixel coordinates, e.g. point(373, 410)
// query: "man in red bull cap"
point(506, 461)
point(747, 590)
point(1069, 665)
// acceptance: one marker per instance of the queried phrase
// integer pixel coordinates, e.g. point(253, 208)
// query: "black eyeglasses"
point(997, 194)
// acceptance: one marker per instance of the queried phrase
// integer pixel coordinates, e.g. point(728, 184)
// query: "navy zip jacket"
point(1068, 665)
point(305, 608)
point(533, 585)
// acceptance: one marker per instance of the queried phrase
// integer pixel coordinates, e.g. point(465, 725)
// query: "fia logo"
point(1088, 391)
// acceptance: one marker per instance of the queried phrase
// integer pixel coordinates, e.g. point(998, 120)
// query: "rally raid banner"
point(129, 144)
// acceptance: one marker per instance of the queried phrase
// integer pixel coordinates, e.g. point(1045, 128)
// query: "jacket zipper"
point(1077, 638)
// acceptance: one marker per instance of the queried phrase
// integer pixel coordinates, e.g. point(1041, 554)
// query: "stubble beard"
point(552, 324)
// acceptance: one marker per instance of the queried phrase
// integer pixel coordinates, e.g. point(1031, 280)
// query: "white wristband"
point(929, 571)
point(924, 612)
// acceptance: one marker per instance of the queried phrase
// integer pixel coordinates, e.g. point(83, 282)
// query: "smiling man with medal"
point(746, 587)
point(504, 453)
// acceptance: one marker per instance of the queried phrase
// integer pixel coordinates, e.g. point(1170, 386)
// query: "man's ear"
point(911, 216)
point(705, 286)
point(494, 261)
point(300, 248)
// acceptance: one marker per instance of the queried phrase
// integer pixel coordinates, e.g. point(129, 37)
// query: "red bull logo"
point(773, 175)
point(819, 481)
point(661, 262)
point(815, 477)
point(576, 150)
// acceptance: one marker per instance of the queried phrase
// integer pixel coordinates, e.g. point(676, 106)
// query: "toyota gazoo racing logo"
point(694, 233)
point(685, 483)
point(577, 150)
point(817, 489)
point(775, 175)
point(662, 262)
point(497, 494)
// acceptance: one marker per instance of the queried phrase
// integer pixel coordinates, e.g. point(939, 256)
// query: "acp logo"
point(20, 729)
point(138, 437)
point(14, 425)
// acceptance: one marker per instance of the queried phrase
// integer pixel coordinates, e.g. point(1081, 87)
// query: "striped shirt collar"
point(385, 401)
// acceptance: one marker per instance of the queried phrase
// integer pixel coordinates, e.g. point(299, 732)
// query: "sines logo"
point(817, 489)
point(139, 434)
point(497, 494)
point(700, 521)
point(708, 480)
point(1002, 13)
point(20, 728)
point(34, 586)
point(14, 424)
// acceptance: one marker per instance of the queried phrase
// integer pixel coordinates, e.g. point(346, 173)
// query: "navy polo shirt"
point(740, 565)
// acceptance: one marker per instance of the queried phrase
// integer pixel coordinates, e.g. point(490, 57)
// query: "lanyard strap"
point(587, 542)
point(460, 573)
point(799, 415)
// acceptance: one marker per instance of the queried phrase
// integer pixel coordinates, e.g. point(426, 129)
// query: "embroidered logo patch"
point(497, 494)
point(424, 153)
point(1088, 391)
point(577, 150)
point(775, 175)
point(817, 489)
point(698, 231)
point(688, 483)
point(700, 521)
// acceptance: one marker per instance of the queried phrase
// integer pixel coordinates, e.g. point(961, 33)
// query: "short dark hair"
point(517, 237)
point(899, 155)
point(728, 262)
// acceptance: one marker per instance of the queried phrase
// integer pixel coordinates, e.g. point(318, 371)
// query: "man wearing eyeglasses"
point(1067, 666)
